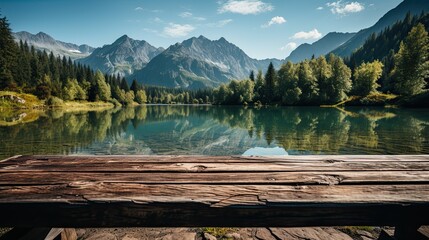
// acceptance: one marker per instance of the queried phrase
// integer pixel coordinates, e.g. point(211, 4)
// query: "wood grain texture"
point(175, 191)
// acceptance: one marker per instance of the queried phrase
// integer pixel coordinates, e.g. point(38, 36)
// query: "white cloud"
point(344, 8)
point(138, 9)
point(245, 7)
point(158, 20)
point(320, 8)
point(191, 16)
point(220, 23)
point(185, 14)
point(275, 20)
point(313, 34)
point(289, 47)
point(178, 30)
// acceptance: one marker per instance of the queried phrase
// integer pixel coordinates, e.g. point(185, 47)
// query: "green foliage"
point(259, 87)
point(412, 62)
point(307, 83)
point(252, 76)
point(366, 77)
point(289, 92)
point(236, 92)
point(73, 91)
point(101, 87)
point(135, 86)
point(141, 97)
point(340, 83)
point(54, 102)
point(322, 71)
point(8, 57)
point(270, 83)
point(44, 87)
point(384, 45)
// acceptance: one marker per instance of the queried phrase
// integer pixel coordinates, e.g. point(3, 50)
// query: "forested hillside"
point(328, 81)
point(383, 47)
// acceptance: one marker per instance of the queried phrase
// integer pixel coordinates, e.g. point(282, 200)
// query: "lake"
point(216, 130)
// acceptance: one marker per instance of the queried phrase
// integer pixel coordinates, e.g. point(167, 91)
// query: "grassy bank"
point(86, 106)
point(10, 101)
point(375, 99)
point(13, 100)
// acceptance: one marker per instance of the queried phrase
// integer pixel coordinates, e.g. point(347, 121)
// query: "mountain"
point(43, 42)
point(199, 63)
point(321, 47)
point(413, 6)
point(123, 57)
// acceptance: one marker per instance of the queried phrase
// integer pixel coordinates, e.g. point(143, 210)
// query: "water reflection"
point(259, 151)
point(214, 130)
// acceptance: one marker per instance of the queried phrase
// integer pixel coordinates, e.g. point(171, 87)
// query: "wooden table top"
point(180, 191)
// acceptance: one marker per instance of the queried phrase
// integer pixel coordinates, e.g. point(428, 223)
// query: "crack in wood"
point(330, 180)
point(241, 199)
point(332, 161)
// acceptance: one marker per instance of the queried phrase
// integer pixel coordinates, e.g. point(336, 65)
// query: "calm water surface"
point(211, 130)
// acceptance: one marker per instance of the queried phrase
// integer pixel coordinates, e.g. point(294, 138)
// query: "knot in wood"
point(332, 161)
point(200, 168)
point(79, 184)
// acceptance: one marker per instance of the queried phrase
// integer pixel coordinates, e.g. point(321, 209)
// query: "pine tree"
point(135, 86)
point(411, 62)
point(124, 85)
point(270, 83)
point(259, 87)
point(252, 76)
point(8, 53)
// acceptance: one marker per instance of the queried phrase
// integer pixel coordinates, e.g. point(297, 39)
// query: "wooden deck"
point(192, 191)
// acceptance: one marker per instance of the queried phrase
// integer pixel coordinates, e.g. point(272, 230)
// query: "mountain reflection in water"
point(213, 130)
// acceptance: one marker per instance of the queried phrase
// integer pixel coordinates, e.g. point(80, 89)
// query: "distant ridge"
point(44, 42)
point(321, 47)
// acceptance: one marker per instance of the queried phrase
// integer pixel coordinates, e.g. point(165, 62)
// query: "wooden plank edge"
point(11, 158)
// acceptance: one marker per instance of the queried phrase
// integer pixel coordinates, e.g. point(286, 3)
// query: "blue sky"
point(262, 28)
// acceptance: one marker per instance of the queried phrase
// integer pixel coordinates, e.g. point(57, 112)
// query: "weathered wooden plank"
point(273, 178)
point(215, 195)
point(217, 167)
point(109, 191)
point(212, 159)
